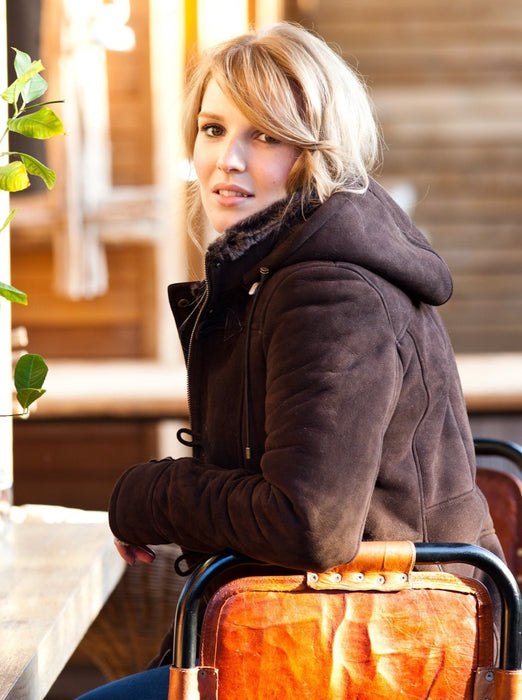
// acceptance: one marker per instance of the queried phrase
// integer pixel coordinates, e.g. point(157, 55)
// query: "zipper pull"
point(263, 271)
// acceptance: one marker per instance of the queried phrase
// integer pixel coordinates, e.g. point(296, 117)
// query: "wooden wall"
point(76, 463)
point(447, 81)
point(117, 325)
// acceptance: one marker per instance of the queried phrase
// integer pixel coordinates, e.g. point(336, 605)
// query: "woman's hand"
point(134, 552)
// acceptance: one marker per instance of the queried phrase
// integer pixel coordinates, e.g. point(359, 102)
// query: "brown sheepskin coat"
point(324, 397)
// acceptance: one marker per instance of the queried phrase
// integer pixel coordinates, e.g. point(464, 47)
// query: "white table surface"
point(57, 569)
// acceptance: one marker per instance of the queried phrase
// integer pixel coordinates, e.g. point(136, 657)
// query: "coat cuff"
point(131, 517)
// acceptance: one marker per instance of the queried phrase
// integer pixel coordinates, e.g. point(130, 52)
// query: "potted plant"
point(33, 119)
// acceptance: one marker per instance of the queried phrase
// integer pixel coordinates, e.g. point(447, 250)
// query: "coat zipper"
point(254, 290)
point(202, 305)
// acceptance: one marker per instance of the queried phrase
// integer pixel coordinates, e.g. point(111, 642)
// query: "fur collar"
point(262, 226)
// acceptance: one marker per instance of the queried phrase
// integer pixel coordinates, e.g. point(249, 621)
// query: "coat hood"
point(369, 230)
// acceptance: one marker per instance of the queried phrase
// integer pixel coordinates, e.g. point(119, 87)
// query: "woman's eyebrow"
point(209, 115)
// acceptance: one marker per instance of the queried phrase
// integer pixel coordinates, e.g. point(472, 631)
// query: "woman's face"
point(240, 170)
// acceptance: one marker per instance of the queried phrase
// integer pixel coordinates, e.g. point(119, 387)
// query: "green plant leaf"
point(29, 376)
point(13, 177)
point(35, 167)
point(12, 294)
point(36, 86)
point(22, 61)
point(42, 124)
point(30, 372)
point(8, 220)
point(26, 397)
point(34, 89)
point(12, 93)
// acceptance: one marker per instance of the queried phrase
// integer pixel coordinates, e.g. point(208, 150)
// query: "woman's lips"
point(230, 195)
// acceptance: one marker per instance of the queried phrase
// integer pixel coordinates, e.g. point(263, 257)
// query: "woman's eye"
point(212, 129)
point(268, 139)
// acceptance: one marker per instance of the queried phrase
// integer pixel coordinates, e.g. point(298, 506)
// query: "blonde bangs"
point(263, 92)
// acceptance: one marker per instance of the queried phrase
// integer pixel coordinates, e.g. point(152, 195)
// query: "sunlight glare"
point(218, 21)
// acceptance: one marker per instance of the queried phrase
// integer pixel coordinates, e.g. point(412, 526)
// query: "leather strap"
point(382, 566)
point(496, 684)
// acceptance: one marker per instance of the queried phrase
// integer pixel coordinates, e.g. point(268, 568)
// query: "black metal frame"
point(186, 620)
point(487, 447)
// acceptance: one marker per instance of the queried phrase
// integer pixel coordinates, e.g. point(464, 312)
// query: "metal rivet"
point(336, 577)
point(380, 579)
point(489, 676)
point(313, 577)
point(403, 577)
point(358, 577)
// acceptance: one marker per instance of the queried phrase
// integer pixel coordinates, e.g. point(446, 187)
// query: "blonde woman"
point(325, 405)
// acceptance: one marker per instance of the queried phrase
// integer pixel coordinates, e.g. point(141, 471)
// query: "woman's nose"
point(232, 157)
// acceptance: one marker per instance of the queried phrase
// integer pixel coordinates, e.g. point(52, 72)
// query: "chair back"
point(503, 491)
point(374, 628)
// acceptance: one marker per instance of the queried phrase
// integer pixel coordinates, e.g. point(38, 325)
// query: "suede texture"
point(336, 373)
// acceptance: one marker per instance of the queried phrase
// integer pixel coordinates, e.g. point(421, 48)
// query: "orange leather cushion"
point(272, 637)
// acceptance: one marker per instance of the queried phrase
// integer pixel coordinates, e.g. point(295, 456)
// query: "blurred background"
point(95, 255)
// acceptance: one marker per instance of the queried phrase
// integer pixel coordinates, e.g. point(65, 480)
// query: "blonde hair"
point(290, 84)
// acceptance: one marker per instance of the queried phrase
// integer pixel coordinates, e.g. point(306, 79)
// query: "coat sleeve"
point(332, 380)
